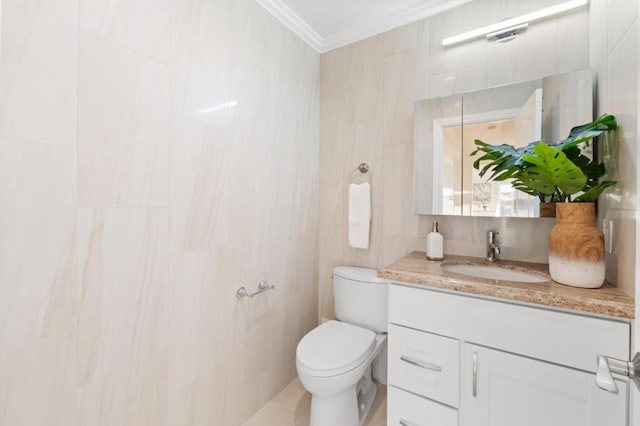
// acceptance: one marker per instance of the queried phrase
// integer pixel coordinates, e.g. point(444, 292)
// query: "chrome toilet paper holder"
point(262, 287)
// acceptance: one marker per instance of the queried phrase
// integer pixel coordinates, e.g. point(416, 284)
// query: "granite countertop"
point(416, 269)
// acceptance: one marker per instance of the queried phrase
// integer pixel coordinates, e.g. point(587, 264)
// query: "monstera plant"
point(553, 173)
point(560, 173)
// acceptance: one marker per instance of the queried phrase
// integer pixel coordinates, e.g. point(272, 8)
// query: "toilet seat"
point(334, 348)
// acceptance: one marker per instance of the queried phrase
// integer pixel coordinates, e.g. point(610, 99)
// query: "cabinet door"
point(502, 389)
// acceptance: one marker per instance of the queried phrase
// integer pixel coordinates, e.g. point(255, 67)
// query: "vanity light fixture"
point(509, 28)
point(507, 34)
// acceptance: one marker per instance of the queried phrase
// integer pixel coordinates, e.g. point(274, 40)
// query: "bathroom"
point(158, 155)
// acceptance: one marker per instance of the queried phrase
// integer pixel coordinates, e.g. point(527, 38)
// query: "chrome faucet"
point(493, 249)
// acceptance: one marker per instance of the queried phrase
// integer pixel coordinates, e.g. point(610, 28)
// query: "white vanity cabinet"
point(462, 360)
point(515, 390)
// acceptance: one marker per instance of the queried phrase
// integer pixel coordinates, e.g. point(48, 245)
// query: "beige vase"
point(576, 246)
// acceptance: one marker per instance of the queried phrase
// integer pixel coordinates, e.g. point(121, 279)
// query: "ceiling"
point(328, 24)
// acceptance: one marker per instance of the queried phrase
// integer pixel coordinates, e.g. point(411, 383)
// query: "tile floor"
point(291, 408)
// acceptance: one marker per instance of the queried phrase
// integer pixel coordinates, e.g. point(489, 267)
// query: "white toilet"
point(335, 360)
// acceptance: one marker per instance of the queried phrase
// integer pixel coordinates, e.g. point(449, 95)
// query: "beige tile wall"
point(154, 157)
point(367, 92)
point(614, 55)
point(128, 131)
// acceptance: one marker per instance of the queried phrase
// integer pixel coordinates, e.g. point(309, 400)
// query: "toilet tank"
point(360, 297)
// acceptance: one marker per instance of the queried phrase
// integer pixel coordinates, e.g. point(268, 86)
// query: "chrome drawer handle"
point(475, 374)
point(421, 364)
point(407, 423)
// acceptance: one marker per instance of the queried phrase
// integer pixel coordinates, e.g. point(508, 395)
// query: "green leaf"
point(503, 161)
point(553, 171)
point(588, 131)
point(593, 193)
point(533, 177)
point(499, 156)
point(517, 184)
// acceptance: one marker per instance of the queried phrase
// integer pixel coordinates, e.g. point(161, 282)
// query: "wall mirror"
point(445, 182)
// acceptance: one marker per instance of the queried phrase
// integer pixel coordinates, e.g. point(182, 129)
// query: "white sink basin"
point(496, 273)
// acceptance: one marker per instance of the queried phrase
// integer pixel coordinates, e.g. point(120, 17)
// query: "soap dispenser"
point(435, 244)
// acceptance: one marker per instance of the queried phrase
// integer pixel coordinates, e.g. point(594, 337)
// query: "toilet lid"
point(334, 348)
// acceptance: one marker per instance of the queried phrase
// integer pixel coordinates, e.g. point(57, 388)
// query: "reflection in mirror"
point(445, 180)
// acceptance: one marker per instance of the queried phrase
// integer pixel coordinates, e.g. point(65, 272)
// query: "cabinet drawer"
point(424, 363)
point(407, 409)
point(558, 337)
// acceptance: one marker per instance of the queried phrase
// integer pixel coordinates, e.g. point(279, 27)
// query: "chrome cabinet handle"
point(604, 379)
point(421, 364)
point(475, 374)
point(407, 423)
point(606, 366)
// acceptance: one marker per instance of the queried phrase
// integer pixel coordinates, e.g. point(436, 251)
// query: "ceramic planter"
point(548, 209)
point(576, 246)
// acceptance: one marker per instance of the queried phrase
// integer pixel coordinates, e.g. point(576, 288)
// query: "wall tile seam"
point(333, 98)
point(79, 207)
point(421, 35)
point(403, 52)
point(398, 237)
point(622, 35)
point(396, 144)
point(362, 120)
point(79, 144)
point(462, 91)
point(122, 45)
point(622, 209)
point(595, 24)
point(115, 207)
point(63, 335)
point(76, 159)
point(4, 139)
point(324, 151)
point(283, 113)
point(173, 252)
point(326, 180)
point(337, 259)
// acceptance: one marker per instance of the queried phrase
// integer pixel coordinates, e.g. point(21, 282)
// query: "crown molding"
point(291, 20)
point(389, 22)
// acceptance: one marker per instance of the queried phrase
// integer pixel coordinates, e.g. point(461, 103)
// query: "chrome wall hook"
point(262, 287)
point(360, 174)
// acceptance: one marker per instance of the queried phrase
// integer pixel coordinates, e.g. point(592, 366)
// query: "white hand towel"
point(359, 215)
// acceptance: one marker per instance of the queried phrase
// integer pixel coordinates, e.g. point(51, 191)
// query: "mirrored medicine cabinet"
point(445, 182)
